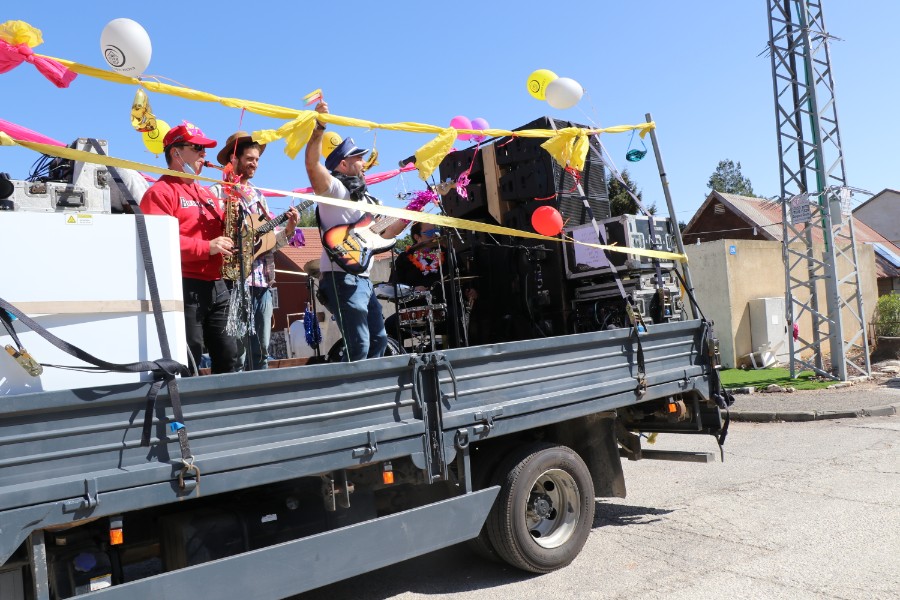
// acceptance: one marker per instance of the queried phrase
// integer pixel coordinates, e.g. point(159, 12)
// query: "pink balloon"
point(479, 123)
point(461, 122)
point(546, 220)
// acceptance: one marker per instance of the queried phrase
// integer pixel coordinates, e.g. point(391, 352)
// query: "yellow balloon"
point(153, 139)
point(537, 83)
point(330, 141)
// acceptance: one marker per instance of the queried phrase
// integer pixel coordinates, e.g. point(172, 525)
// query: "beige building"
point(739, 260)
point(729, 275)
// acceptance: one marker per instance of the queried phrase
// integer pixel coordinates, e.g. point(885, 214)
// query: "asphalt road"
point(797, 510)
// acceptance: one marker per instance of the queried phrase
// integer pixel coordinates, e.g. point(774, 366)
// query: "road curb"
point(755, 416)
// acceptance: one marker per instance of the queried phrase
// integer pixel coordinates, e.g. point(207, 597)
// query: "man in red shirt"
point(200, 224)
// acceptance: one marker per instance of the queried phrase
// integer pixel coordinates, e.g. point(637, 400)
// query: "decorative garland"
point(311, 327)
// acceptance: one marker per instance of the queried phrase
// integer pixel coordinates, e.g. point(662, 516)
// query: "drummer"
point(422, 267)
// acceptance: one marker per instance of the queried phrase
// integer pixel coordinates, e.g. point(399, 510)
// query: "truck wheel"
point(545, 509)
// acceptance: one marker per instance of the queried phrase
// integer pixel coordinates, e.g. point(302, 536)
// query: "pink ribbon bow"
point(12, 56)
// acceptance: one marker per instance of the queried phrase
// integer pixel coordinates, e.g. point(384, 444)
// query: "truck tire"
point(545, 510)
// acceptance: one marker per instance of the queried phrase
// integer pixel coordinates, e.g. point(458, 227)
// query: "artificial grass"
point(762, 377)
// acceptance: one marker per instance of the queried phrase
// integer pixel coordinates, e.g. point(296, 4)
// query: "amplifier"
point(625, 231)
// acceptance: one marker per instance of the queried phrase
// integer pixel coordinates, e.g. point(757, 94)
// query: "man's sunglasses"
point(197, 147)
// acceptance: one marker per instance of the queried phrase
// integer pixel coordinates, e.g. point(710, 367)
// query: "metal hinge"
point(369, 449)
point(90, 500)
point(486, 420)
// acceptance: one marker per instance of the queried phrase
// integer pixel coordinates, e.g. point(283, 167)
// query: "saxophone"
point(234, 229)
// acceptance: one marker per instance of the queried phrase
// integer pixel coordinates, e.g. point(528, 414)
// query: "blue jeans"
point(351, 299)
point(261, 305)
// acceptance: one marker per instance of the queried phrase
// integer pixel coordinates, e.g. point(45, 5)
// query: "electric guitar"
point(263, 228)
point(352, 246)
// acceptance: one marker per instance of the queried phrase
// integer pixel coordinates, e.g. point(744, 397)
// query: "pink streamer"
point(17, 132)
point(370, 180)
point(12, 56)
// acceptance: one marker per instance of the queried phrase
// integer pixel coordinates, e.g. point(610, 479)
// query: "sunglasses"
point(196, 147)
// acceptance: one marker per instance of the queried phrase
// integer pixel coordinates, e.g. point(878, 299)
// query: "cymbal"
point(463, 278)
point(312, 267)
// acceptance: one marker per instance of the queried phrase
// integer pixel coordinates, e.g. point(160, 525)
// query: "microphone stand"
point(460, 338)
point(396, 280)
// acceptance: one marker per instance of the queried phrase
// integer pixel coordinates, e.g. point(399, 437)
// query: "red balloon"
point(546, 220)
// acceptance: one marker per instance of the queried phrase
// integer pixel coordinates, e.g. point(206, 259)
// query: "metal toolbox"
point(87, 188)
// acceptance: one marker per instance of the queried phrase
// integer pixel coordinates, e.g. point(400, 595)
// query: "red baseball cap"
point(187, 133)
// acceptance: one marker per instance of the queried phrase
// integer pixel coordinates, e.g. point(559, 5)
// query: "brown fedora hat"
point(238, 137)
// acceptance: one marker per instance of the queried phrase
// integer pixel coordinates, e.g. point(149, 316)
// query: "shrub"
point(887, 316)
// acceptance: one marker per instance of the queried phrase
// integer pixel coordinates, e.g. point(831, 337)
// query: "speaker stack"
point(522, 284)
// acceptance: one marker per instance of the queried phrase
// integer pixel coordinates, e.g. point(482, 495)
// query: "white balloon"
point(563, 93)
point(126, 46)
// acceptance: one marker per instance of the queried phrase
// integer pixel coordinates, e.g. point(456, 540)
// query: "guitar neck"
point(273, 223)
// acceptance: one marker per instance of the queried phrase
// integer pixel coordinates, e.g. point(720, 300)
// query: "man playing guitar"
point(243, 154)
point(347, 290)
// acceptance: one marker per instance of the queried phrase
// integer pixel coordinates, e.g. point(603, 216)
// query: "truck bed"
point(75, 454)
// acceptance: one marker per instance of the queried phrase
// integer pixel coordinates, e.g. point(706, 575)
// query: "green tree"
point(307, 218)
point(620, 201)
point(728, 179)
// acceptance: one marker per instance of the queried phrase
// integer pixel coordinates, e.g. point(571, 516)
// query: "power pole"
point(819, 248)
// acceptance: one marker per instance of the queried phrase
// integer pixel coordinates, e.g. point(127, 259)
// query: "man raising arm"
point(349, 296)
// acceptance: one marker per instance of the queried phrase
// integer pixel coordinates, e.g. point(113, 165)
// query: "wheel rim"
point(553, 508)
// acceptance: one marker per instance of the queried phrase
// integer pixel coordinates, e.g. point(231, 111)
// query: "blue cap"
point(345, 149)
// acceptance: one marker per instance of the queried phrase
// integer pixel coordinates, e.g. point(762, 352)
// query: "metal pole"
point(676, 230)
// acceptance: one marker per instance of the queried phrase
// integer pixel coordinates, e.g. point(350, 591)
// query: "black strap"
point(165, 369)
point(633, 314)
point(7, 324)
point(171, 384)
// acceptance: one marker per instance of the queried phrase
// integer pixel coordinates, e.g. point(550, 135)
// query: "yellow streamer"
point(429, 156)
point(569, 148)
point(281, 112)
point(389, 211)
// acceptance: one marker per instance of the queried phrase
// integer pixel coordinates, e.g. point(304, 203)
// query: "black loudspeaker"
point(474, 205)
point(528, 172)
point(539, 287)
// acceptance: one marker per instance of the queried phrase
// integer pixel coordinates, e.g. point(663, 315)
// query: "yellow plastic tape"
point(282, 112)
point(388, 211)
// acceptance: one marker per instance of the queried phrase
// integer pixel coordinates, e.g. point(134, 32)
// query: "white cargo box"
point(81, 276)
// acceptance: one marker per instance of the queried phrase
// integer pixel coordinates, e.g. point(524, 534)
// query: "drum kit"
point(417, 311)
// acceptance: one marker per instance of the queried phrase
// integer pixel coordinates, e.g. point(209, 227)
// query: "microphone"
point(409, 160)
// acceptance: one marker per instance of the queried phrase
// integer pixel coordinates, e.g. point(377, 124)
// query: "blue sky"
point(695, 65)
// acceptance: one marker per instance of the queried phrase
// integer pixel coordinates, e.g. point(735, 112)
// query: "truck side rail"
point(505, 388)
point(76, 454)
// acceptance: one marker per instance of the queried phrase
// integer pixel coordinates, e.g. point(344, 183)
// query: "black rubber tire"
point(336, 353)
point(507, 524)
